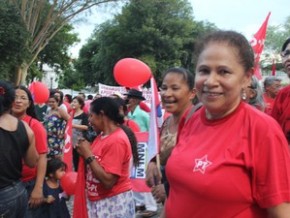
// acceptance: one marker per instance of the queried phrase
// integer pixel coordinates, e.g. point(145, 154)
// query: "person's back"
point(17, 144)
point(13, 138)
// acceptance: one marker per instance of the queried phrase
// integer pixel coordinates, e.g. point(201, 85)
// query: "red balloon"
point(69, 182)
point(39, 91)
point(130, 72)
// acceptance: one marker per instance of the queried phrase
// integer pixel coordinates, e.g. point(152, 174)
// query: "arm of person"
point(279, 211)
point(63, 114)
point(31, 156)
point(36, 197)
point(107, 179)
point(153, 176)
point(163, 214)
point(80, 127)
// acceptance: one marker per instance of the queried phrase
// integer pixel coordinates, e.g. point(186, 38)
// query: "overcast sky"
point(245, 16)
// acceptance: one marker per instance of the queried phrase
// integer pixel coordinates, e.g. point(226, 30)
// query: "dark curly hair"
point(53, 165)
point(7, 96)
point(234, 39)
point(110, 108)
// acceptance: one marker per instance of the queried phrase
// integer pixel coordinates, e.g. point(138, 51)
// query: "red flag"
point(67, 150)
point(274, 68)
point(80, 204)
point(257, 43)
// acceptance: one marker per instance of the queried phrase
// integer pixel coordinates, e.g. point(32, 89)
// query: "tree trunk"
point(21, 74)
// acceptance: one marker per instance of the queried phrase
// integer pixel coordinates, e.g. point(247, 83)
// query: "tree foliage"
point(13, 41)
point(55, 54)
point(277, 35)
point(43, 19)
point(161, 33)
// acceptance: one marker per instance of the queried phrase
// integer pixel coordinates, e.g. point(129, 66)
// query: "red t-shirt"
point(87, 106)
point(232, 167)
point(114, 154)
point(269, 104)
point(281, 110)
point(40, 144)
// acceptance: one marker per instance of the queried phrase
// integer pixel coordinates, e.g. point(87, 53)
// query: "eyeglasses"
point(21, 98)
point(285, 53)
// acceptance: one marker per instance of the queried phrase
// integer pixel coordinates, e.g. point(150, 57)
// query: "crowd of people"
point(224, 147)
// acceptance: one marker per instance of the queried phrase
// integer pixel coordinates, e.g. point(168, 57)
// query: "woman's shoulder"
point(259, 119)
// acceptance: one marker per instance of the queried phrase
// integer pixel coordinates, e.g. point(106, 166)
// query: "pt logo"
point(201, 164)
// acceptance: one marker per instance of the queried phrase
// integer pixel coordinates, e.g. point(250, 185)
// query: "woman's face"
point(220, 78)
point(75, 104)
point(59, 173)
point(96, 121)
point(286, 60)
point(175, 93)
point(21, 102)
point(52, 102)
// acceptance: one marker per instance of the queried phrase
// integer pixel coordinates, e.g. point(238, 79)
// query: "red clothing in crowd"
point(86, 108)
point(40, 144)
point(132, 125)
point(269, 102)
point(228, 167)
point(281, 110)
point(113, 153)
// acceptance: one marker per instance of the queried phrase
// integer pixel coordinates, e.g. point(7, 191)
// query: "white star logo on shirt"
point(201, 164)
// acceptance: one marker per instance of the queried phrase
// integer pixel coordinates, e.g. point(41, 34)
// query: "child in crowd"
point(55, 198)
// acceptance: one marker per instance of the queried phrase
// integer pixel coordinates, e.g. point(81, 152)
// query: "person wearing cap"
point(281, 108)
point(272, 86)
point(134, 97)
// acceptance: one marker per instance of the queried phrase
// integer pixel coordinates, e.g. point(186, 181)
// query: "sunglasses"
point(285, 53)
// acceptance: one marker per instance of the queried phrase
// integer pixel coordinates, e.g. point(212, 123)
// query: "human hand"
point(153, 175)
point(159, 193)
point(50, 199)
point(36, 198)
point(83, 147)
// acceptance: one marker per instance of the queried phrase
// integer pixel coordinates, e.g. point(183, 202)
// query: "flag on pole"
point(67, 150)
point(153, 138)
point(257, 44)
point(274, 68)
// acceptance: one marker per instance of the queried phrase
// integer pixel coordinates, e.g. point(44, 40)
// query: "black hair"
point(285, 44)
point(54, 97)
point(234, 39)
point(90, 97)
point(54, 91)
point(187, 76)
point(53, 165)
point(121, 103)
point(134, 145)
point(69, 97)
point(7, 96)
point(110, 109)
point(80, 100)
point(31, 109)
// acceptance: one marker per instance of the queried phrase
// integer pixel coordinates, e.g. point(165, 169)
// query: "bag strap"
point(30, 121)
point(193, 109)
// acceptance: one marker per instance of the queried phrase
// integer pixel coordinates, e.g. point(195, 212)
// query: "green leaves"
point(160, 33)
